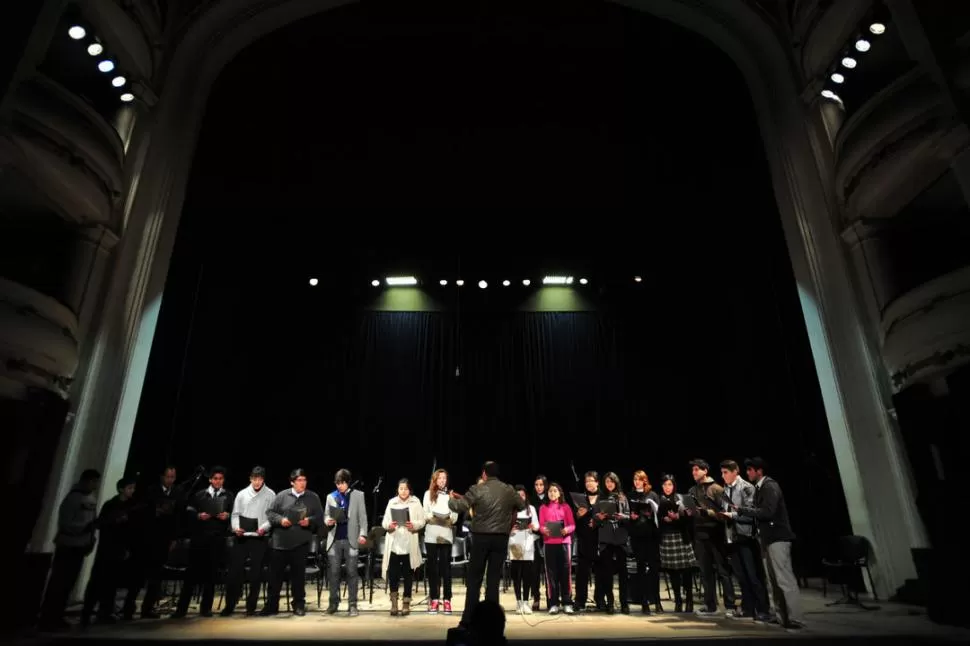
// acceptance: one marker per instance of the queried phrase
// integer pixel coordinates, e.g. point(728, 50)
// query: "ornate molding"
point(38, 339)
point(926, 332)
point(894, 147)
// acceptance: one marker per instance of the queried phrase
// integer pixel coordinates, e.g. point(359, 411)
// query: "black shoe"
point(178, 614)
point(226, 612)
point(268, 612)
point(352, 611)
point(251, 613)
point(205, 613)
point(625, 609)
point(150, 615)
point(299, 611)
point(645, 609)
point(658, 608)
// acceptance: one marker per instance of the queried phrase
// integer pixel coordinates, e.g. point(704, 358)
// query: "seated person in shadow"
point(486, 627)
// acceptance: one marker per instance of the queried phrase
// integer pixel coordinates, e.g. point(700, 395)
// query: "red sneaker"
point(433, 607)
point(447, 607)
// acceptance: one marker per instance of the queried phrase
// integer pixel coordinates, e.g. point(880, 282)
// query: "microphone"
point(200, 469)
point(377, 487)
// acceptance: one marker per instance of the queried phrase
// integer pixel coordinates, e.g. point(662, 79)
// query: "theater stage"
point(892, 622)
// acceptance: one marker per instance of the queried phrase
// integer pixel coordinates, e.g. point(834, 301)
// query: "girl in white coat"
point(402, 551)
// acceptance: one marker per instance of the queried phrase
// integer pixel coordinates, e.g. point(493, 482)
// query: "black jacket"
point(307, 505)
point(610, 531)
point(493, 503)
point(708, 497)
point(213, 528)
point(645, 526)
point(770, 513)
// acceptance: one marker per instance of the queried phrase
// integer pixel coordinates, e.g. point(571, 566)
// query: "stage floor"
point(375, 625)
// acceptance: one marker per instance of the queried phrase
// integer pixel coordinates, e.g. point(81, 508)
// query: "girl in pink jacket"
point(557, 525)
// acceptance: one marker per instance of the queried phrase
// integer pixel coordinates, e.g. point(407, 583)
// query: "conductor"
point(493, 504)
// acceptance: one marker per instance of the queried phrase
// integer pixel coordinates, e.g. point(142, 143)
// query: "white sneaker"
point(554, 610)
point(526, 608)
point(567, 609)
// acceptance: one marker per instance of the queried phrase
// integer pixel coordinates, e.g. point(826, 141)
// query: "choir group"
point(544, 538)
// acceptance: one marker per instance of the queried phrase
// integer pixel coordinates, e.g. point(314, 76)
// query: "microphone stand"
point(373, 548)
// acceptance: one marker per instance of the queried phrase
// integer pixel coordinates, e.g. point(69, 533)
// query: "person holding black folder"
point(522, 550)
point(115, 524)
point(345, 513)
point(403, 519)
point(710, 542)
point(557, 524)
point(587, 541)
point(251, 526)
point(677, 543)
point(208, 515)
point(296, 515)
point(612, 516)
point(538, 498)
point(159, 524)
point(645, 541)
point(492, 505)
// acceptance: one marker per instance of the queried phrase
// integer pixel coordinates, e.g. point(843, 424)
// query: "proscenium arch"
point(863, 436)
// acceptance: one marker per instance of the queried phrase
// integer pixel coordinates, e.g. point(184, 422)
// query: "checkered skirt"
point(676, 553)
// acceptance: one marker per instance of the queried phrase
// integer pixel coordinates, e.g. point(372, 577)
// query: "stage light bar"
point(401, 281)
point(557, 280)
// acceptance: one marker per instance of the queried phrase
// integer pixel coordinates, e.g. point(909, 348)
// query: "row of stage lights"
point(411, 281)
point(849, 60)
point(105, 65)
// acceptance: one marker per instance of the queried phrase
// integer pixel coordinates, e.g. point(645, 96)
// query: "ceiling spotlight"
point(375, 283)
point(77, 32)
point(106, 65)
point(638, 279)
point(460, 282)
point(401, 281)
point(557, 280)
point(526, 282)
point(862, 45)
point(95, 49)
point(443, 282)
point(877, 28)
point(583, 281)
point(506, 283)
point(482, 284)
point(829, 94)
point(849, 63)
point(837, 78)
point(127, 97)
point(313, 282)
point(118, 81)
